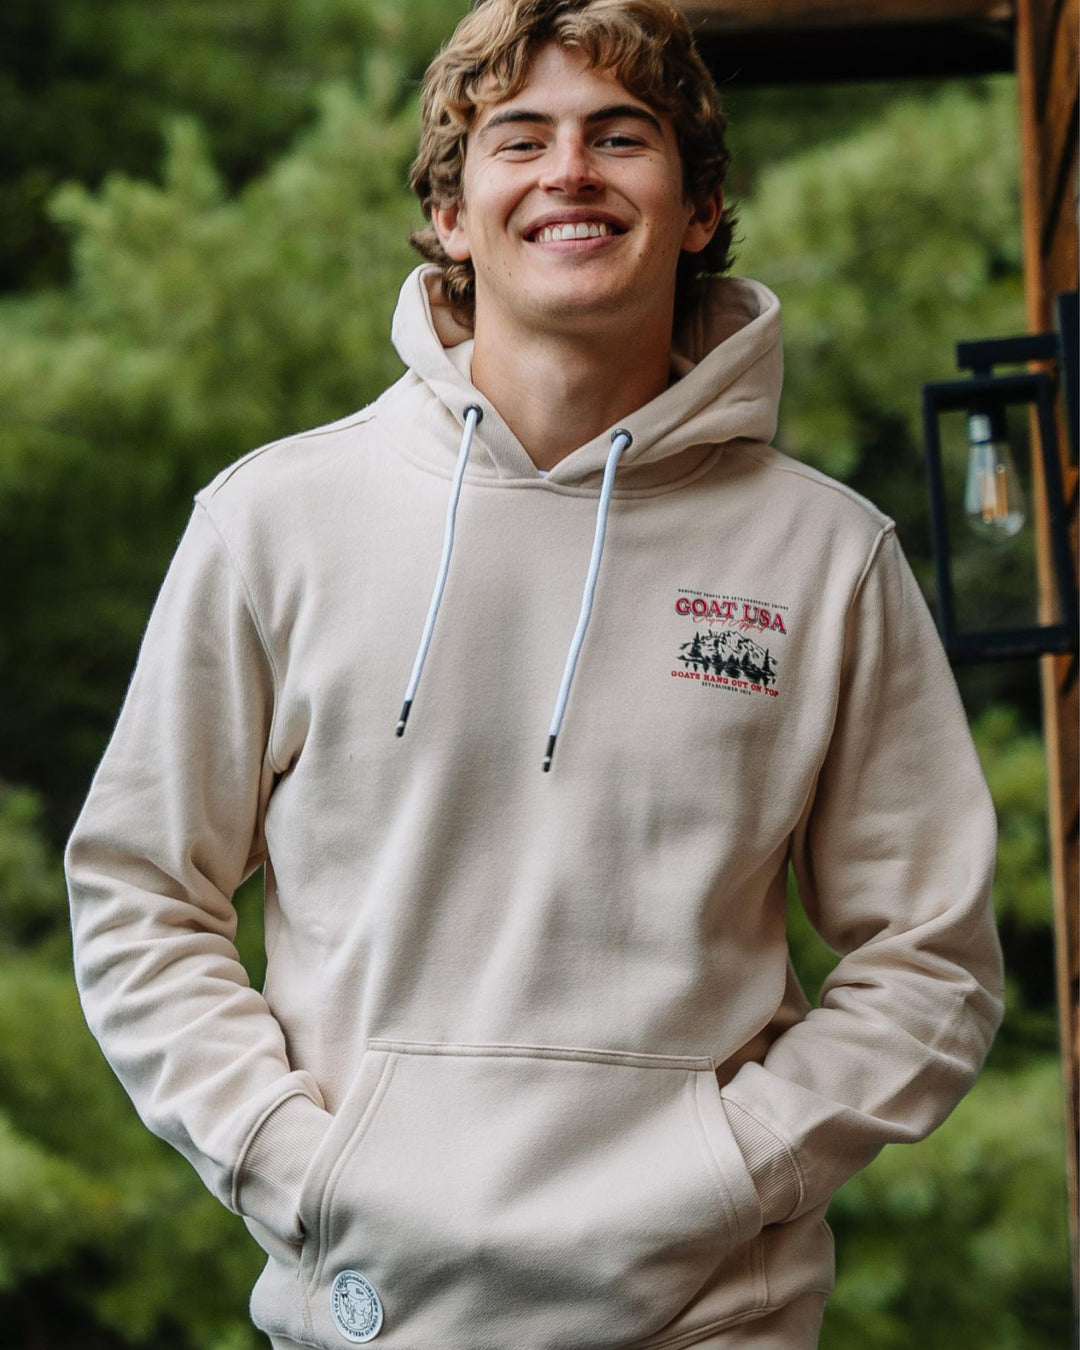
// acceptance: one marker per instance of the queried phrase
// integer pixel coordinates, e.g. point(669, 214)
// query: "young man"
point(531, 1069)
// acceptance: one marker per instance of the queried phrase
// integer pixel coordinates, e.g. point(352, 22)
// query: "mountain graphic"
point(731, 654)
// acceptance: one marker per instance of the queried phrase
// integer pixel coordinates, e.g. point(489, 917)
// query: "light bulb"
point(993, 502)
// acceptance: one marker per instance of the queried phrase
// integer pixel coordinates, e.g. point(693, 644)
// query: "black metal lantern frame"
point(993, 394)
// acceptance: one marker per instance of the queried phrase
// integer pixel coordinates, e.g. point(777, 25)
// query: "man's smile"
point(570, 226)
point(559, 234)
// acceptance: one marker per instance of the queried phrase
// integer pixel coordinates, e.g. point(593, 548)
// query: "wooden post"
point(770, 14)
point(1046, 67)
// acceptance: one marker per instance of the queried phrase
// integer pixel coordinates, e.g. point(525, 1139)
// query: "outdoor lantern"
point(994, 505)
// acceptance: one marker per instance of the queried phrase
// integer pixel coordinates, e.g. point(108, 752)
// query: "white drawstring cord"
point(473, 415)
point(620, 441)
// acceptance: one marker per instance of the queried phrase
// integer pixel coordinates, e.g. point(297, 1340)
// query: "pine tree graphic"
point(730, 654)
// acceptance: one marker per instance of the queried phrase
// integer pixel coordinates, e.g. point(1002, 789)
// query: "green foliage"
point(895, 240)
point(130, 1241)
point(197, 326)
point(31, 879)
point(967, 1229)
point(1014, 762)
point(86, 85)
point(1015, 768)
point(769, 125)
point(888, 243)
point(214, 321)
point(962, 1236)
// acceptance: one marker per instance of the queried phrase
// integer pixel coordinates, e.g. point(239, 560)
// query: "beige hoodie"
point(531, 1069)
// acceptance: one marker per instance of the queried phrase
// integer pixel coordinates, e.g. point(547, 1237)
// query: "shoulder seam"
point(343, 424)
point(253, 614)
point(888, 529)
point(805, 472)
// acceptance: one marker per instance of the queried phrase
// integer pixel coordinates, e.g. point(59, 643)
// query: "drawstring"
point(473, 415)
point(620, 441)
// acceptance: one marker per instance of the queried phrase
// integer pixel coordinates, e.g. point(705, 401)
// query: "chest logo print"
point(726, 648)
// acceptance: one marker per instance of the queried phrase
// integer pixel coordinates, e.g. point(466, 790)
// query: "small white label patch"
point(356, 1308)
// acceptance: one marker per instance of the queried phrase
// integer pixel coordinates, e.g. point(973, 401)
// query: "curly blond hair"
point(646, 44)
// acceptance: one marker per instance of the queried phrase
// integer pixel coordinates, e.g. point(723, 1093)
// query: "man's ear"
point(449, 223)
point(702, 224)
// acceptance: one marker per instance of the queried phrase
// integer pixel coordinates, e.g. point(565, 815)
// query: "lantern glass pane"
point(987, 487)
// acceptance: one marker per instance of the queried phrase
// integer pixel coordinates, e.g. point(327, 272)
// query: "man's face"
point(573, 209)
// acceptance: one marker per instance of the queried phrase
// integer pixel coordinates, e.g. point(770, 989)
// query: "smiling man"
point(573, 214)
point(531, 1068)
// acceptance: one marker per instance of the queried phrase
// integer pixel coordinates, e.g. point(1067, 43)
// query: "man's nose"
point(571, 167)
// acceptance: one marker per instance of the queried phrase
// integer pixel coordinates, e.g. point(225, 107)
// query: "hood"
point(726, 367)
point(726, 363)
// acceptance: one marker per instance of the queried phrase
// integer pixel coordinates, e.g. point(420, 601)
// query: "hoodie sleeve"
point(172, 824)
point(894, 859)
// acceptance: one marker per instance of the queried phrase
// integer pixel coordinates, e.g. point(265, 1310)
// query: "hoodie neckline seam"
point(493, 481)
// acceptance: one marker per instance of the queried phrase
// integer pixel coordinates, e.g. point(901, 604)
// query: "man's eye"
point(618, 140)
point(521, 146)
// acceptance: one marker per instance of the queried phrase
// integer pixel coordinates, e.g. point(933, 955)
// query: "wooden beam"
point(1050, 265)
point(1058, 114)
point(775, 42)
point(715, 16)
point(1045, 21)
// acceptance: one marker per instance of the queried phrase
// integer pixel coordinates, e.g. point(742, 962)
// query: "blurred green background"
point(204, 230)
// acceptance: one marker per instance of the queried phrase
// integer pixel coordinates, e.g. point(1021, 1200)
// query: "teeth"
point(553, 234)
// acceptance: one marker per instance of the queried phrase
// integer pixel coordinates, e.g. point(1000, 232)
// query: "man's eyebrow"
point(609, 114)
point(620, 110)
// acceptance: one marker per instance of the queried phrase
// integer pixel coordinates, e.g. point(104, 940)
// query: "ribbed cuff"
point(769, 1160)
point(273, 1168)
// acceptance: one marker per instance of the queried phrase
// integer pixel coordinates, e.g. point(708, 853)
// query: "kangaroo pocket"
point(540, 1198)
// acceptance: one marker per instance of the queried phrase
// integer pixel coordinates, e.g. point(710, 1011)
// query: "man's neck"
point(557, 391)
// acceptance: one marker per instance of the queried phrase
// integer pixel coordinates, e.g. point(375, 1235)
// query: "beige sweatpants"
point(795, 1326)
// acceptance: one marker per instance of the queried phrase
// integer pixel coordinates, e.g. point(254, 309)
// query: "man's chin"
point(580, 305)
